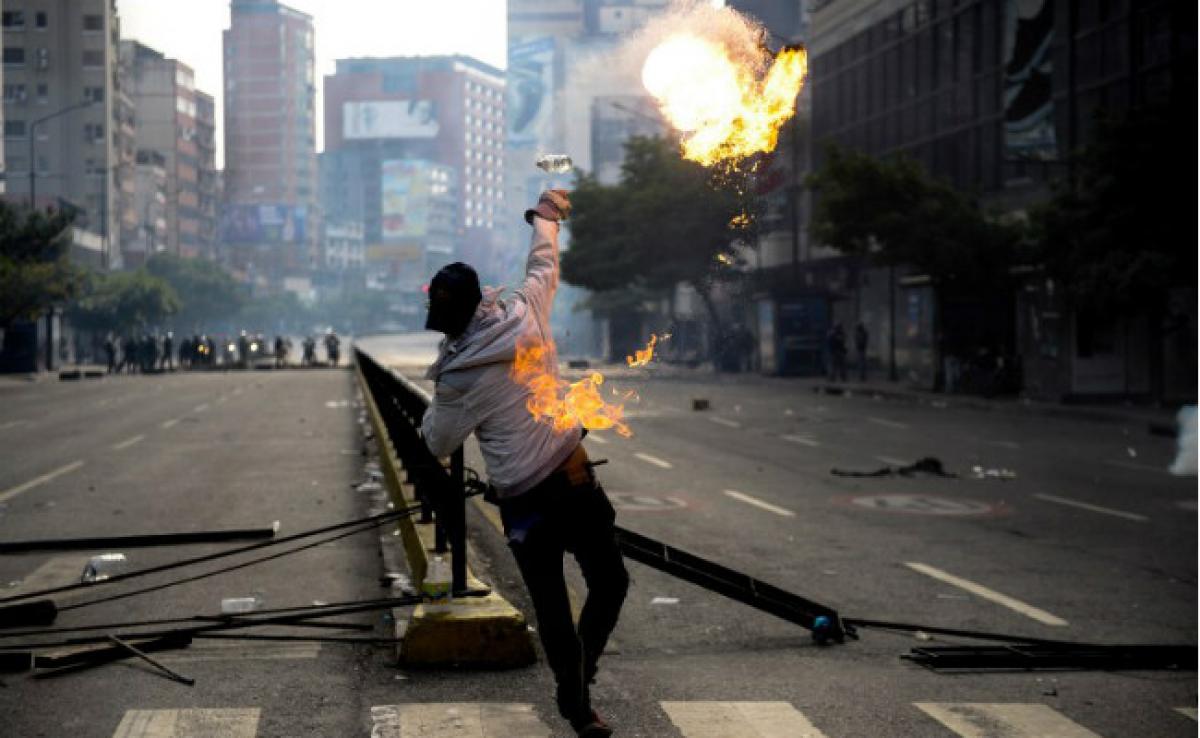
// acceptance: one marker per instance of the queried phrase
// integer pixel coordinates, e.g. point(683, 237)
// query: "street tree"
point(35, 268)
point(124, 302)
point(666, 221)
point(207, 293)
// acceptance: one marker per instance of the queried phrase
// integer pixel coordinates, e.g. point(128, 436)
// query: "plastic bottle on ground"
point(103, 566)
point(437, 581)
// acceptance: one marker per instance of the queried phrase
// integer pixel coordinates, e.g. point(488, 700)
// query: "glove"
point(553, 205)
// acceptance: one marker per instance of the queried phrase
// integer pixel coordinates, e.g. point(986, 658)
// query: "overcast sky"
point(190, 31)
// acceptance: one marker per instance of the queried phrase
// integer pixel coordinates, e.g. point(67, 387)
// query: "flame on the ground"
point(642, 357)
point(725, 111)
point(561, 404)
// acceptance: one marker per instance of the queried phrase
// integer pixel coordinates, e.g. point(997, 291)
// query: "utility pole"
point(32, 137)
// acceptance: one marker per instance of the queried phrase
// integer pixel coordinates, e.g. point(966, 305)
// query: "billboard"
point(389, 119)
point(264, 224)
point(530, 91)
point(406, 189)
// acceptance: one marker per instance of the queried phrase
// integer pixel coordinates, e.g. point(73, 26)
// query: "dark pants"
point(557, 516)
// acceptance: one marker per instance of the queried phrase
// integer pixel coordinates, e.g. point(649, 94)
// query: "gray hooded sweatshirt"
point(475, 392)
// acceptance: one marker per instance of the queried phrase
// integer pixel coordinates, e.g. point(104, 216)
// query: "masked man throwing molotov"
point(549, 498)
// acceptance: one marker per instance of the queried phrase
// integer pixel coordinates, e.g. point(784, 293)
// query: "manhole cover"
point(926, 505)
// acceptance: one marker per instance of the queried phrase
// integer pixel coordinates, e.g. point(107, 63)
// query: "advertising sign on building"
point(530, 92)
point(264, 224)
point(406, 189)
point(389, 119)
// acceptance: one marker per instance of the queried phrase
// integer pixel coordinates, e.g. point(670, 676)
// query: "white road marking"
point(13, 424)
point(892, 461)
point(201, 407)
point(1187, 505)
point(1093, 508)
point(1189, 711)
point(1137, 467)
point(888, 423)
point(988, 594)
point(8, 494)
point(55, 572)
point(1005, 444)
point(128, 442)
point(457, 720)
point(654, 460)
point(759, 503)
point(987, 720)
point(802, 440)
point(598, 439)
point(724, 422)
point(241, 722)
point(740, 720)
point(169, 423)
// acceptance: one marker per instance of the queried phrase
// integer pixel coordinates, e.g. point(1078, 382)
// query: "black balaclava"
point(453, 296)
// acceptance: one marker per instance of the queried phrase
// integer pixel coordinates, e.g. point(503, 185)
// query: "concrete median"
point(485, 631)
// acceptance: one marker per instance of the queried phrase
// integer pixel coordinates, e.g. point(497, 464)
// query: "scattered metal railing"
point(440, 488)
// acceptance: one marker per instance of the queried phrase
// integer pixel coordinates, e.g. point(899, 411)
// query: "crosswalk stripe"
point(1011, 720)
point(740, 720)
point(56, 572)
point(190, 723)
point(456, 720)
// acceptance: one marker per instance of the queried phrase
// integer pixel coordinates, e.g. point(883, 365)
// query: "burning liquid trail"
point(642, 357)
point(724, 110)
point(561, 404)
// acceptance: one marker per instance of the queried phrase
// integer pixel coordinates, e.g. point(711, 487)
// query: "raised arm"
point(541, 267)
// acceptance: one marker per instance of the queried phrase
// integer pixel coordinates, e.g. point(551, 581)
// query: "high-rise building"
point(270, 176)
point(63, 115)
point(417, 127)
point(170, 121)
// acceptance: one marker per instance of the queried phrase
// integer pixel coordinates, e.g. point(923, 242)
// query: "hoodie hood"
point(490, 338)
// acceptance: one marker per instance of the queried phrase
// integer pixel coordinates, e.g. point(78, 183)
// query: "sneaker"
point(592, 727)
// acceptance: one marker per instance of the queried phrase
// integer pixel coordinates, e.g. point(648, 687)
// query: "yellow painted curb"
point(471, 631)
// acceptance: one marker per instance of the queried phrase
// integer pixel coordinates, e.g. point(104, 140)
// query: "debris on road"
point(665, 601)
point(926, 465)
point(103, 566)
point(173, 675)
point(699, 403)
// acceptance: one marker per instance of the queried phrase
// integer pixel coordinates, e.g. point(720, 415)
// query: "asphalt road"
point(1091, 541)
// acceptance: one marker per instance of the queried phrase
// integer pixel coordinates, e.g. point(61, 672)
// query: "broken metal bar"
point(824, 622)
point(1059, 657)
point(136, 540)
point(77, 660)
point(174, 675)
point(933, 629)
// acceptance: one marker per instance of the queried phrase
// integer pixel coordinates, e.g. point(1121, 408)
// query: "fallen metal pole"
point(136, 540)
point(824, 622)
point(174, 675)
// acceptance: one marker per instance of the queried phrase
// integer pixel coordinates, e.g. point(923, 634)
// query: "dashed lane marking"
point(598, 439)
point(13, 424)
point(802, 440)
point(1092, 508)
point(169, 423)
point(892, 461)
point(457, 720)
point(986, 720)
point(129, 442)
point(1187, 505)
point(1137, 467)
point(654, 460)
point(979, 590)
point(201, 407)
point(8, 494)
point(741, 496)
point(739, 720)
point(190, 723)
point(725, 422)
point(889, 423)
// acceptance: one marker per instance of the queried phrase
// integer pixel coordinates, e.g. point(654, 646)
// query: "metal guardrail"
point(440, 487)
